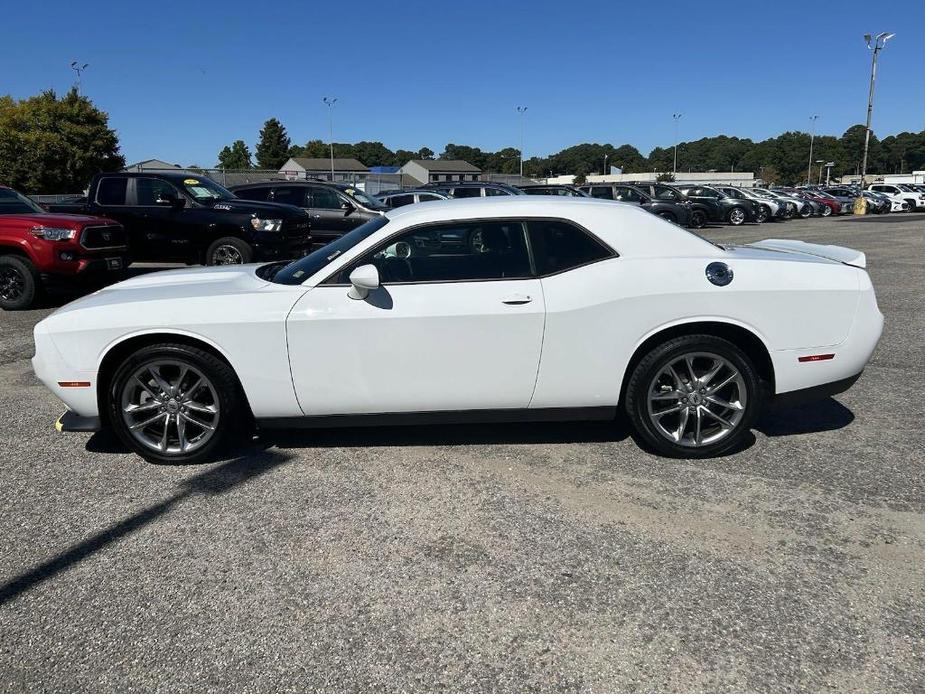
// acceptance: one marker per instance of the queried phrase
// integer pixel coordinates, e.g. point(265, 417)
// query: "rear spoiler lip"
point(840, 254)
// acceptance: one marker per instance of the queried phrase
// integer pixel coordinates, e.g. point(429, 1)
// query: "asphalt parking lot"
point(515, 557)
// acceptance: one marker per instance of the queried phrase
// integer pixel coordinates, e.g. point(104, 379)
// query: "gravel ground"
point(483, 558)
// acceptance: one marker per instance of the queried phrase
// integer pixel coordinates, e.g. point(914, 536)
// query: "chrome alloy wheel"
point(12, 284)
point(170, 407)
point(697, 399)
point(226, 254)
point(737, 216)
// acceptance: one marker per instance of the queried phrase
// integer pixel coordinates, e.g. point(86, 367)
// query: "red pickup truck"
point(37, 248)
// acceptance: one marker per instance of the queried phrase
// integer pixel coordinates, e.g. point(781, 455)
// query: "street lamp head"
point(867, 38)
point(676, 116)
point(329, 101)
point(885, 36)
point(521, 109)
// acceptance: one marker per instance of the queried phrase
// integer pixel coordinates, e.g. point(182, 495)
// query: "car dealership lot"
point(480, 557)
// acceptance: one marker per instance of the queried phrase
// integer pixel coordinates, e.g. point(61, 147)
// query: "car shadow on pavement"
point(217, 479)
point(825, 415)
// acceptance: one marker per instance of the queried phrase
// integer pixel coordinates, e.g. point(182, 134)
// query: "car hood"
point(265, 210)
point(787, 249)
point(187, 283)
point(53, 219)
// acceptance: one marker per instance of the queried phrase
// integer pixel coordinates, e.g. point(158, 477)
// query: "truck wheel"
point(20, 284)
point(229, 251)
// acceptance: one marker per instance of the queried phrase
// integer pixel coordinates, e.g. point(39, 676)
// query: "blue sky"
point(182, 79)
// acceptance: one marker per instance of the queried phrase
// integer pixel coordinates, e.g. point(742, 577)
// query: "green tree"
point(237, 156)
point(54, 145)
point(666, 177)
point(425, 153)
point(403, 156)
point(273, 146)
point(313, 149)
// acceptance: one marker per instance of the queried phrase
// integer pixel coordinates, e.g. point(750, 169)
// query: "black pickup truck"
point(189, 218)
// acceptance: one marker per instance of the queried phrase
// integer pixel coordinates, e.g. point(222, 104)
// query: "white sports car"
point(494, 309)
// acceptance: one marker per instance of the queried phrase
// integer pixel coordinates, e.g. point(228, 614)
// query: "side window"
point(401, 200)
point(559, 246)
point(667, 194)
point(111, 191)
point(149, 190)
point(427, 197)
point(495, 191)
point(627, 194)
point(290, 195)
point(452, 252)
point(260, 194)
point(603, 192)
point(324, 199)
point(473, 192)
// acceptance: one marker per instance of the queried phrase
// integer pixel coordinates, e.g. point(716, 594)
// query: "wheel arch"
point(17, 248)
point(119, 350)
point(741, 336)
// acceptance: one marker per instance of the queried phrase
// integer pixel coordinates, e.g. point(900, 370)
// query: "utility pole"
point(812, 136)
point(879, 41)
point(78, 68)
point(521, 110)
point(329, 102)
point(677, 117)
point(606, 156)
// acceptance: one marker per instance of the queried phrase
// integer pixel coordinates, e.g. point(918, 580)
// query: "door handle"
point(517, 300)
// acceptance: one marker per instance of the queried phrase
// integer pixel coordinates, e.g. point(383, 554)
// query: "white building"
point(441, 170)
point(345, 170)
point(742, 179)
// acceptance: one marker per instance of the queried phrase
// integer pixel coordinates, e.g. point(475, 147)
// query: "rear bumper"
point(71, 421)
point(804, 395)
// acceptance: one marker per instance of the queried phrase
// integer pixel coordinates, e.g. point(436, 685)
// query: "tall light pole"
point(521, 110)
point(812, 136)
point(674, 168)
point(879, 41)
point(78, 68)
point(820, 162)
point(329, 102)
point(606, 157)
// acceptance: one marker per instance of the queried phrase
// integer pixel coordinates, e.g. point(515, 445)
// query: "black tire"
point(806, 212)
point(20, 283)
point(737, 216)
point(826, 211)
point(911, 204)
point(653, 363)
point(233, 413)
point(229, 250)
point(764, 213)
point(698, 219)
point(668, 216)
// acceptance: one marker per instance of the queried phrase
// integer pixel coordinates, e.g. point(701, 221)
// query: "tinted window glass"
point(427, 197)
point(495, 191)
point(667, 194)
point(325, 199)
point(401, 200)
point(452, 253)
point(603, 192)
point(12, 202)
point(260, 194)
point(473, 192)
point(291, 195)
point(149, 190)
point(559, 246)
point(627, 194)
point(111, 191)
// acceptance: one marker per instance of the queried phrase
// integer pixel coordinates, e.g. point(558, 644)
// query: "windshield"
point(12, 202)
point(300, 270)
point(364, 199)
point(206, 190)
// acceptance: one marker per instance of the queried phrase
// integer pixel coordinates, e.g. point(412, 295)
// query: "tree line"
point(54, 144)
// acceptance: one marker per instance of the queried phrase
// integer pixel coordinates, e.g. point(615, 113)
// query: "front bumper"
point(282, 249)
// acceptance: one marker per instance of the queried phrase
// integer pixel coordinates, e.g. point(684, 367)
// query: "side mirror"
point(363, 280)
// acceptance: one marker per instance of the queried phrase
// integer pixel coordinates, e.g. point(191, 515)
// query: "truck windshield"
point(12, 202)
point(205, 190)
point(300, 270)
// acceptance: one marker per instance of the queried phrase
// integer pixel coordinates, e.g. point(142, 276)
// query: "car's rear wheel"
point(173, 403)
point(698, 219)
point(910, 205)
point(229, 251)
point(695, 396)
point(736, 216)
point(20, 284)
point(826, 211)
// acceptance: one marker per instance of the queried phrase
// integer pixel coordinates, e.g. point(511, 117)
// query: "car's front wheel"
point(229, 251)
point(764, 212)
point(736, 216)
point(173, 403)
point(698, 219)
point(695, 396)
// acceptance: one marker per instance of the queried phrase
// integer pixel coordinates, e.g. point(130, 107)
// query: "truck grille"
point(109, 236)
point(293, 228)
